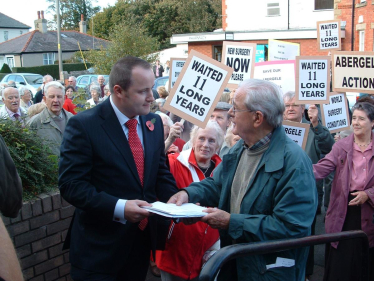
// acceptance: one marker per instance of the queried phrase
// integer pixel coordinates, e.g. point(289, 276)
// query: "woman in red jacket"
point(69, 95)
point(187, 244)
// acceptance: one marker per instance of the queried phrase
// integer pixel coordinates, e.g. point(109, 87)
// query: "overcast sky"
point(25, 11)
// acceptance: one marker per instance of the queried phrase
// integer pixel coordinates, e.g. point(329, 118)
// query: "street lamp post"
point(60, 69)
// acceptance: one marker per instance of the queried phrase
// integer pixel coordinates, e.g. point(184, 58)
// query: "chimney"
point(82, 25)
point(41, 22)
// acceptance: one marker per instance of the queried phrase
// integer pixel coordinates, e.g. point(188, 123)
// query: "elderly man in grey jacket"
point(51, 122)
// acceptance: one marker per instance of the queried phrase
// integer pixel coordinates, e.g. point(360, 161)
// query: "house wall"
point(299, 13)
point(308, 47)
point(37, 59)
point(38, 234)
point(343, 11)
point(12, 33)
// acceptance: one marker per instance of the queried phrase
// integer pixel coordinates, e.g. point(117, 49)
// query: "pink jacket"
point(340, 159)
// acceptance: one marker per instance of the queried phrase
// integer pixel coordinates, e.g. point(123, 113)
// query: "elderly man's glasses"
point(234, 110)
point(293, 105)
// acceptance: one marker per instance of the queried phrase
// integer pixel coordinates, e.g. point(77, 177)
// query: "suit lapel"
point(115, 133)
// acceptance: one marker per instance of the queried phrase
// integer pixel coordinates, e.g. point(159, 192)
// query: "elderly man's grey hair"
point(266, 97)
point(210, 125)
point(289, 96)
point(73, 78)
point(22, 90)
point(47, 77)
point(165, 117)
point(54, 84)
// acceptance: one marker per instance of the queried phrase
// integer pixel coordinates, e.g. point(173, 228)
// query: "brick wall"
point(38, 234)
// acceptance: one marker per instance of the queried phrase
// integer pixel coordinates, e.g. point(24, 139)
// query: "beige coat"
point(47, 129)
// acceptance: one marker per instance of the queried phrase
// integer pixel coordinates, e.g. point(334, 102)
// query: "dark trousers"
point(134, 269)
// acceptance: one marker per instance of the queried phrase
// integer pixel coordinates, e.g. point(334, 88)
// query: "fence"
point(225, 254)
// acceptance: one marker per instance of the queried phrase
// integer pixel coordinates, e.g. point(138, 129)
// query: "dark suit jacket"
point(96, 169)
point(10, 184)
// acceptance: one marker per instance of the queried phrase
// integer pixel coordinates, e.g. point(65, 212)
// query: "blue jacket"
point(280, 203)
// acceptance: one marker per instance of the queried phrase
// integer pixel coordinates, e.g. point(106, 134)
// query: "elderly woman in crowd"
point(352, 196)
point(106, 92)
point(69, 96)
point(186, 244)
point(95, 94)
point(25, 95)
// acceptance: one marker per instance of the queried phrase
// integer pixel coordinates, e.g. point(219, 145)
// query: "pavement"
point(319, 255)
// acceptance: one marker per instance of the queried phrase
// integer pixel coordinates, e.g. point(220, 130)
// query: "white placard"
point(281, 73)
point(312, 79)
point(298, 132)
point(353, 72)
point(240, 57)
point(328, 35)
point(176, 65)
point(335, 115)
point(198, 88)
point(282, 50)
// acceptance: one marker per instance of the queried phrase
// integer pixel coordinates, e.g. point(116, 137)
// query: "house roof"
point(8, 22)
point(38, 42)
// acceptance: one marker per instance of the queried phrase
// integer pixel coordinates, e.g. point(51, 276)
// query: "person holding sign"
point(352, 196)
point(319, 140)
point(264, 188)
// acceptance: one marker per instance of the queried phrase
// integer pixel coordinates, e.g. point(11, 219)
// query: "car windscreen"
point(34, 79)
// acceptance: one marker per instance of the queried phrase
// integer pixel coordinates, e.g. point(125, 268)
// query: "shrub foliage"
point(36, 165)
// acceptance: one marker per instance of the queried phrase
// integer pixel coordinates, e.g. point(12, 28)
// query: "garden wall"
point(38, 234)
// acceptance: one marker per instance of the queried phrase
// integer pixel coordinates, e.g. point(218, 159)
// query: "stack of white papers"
point(187, 210)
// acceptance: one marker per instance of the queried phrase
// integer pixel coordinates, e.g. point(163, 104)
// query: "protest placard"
point(176, 65)
point(296, 131)
point(240, 57)
point(328, 35)
point(281, 73)
point(198, 88)
point(282, 50)
point(353, 72)
point(335, 115)
point(312, 79)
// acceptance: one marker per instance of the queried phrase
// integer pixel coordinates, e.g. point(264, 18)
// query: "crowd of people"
point(126, 152)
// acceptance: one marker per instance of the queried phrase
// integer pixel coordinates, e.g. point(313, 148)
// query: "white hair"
point(210, 125)
point(165, 117)
point(54, 84)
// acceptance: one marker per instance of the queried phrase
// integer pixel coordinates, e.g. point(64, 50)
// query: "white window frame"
point(48, 58)
point(272, 7)
point(361, 40)
point(9, 61)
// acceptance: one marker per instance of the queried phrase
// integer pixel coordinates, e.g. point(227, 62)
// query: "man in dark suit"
point(100, 176)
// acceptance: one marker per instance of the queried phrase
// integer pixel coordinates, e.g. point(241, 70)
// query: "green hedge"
point(51, 69)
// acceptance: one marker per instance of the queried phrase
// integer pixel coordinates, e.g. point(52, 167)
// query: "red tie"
point(137, 152)
point(136, 147)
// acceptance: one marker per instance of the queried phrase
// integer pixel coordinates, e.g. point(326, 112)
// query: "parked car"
point(84, 80)
point(25, 79)
point(162, 81)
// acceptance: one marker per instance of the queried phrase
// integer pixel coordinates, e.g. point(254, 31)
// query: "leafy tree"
point(5, 69)
point(161, 18)
point(125, 40)
point(70, 12)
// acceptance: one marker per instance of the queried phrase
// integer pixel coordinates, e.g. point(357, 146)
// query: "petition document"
point(187, 210)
